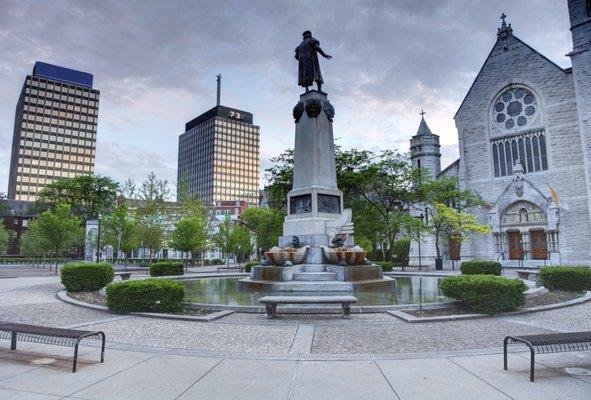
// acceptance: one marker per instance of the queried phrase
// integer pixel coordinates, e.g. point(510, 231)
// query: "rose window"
point(515, 108)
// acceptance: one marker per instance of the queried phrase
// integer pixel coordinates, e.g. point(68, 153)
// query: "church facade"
point(524, 137)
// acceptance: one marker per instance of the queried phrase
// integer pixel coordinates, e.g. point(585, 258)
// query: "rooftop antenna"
point(219, 80)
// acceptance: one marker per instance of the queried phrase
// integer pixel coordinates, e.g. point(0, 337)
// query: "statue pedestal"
point(315, 204)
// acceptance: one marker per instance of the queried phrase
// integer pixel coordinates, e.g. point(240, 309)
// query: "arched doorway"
point(525, 225)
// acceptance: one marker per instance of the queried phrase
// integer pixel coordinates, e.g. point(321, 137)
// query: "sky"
point(155, 63)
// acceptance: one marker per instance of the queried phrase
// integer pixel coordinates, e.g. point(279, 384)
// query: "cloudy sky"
point(155, 64)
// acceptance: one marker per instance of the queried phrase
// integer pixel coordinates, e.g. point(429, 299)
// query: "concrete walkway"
point(297, 357)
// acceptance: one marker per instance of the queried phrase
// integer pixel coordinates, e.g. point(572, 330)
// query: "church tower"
point(580, 26)
point(424, 149)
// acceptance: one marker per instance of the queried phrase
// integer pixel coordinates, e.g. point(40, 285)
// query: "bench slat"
point(308, 299)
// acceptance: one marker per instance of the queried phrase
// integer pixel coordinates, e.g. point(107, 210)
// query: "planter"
point(350, 256)
point(279, 256)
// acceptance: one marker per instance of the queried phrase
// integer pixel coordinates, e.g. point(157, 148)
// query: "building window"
point(552, 238)
point(529, 149)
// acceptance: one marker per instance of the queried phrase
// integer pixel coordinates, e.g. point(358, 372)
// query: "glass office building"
point(219, 156)
point(54, 130)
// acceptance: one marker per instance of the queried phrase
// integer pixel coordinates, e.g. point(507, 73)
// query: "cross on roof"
point(503, 16)
point(422, 113)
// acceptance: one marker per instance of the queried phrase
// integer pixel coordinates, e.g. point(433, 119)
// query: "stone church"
point(524, 137)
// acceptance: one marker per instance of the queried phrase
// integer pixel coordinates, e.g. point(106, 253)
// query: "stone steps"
point(314, 286)
point(314, 276)
point(314, 268)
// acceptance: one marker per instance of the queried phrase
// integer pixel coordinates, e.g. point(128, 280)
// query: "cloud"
point(155, 64)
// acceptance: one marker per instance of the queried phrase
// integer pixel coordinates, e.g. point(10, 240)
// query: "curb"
point(412, 319)
point(63, 296)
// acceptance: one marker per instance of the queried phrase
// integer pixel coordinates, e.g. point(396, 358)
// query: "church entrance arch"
point(525, 225)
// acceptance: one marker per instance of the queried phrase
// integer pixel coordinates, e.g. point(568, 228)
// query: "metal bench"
point(48, 335)
point(123, 275)
point(525, 273)
point(548, 343)
point(271, 302)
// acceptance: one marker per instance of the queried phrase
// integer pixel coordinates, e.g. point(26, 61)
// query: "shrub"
point(148, 295)
point(481, 267)
point(566, 278)
point(216, 261)
point(386, 265)
point(166, 268)
point(484, 293)
point(401, 250)
point(248, 266)
point(86, 277)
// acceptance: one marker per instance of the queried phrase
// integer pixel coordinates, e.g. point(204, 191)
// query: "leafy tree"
point(32, 243)
point(267, 225)
point(154, 192)
point(60, 229)
point(4, 207)
point(280, 176)
point(87, 195)
point(4, 237)
point(223, 237)
point(449, 224)
point(240, 241)
point(190, 235)
point(120, 230)
point(151, 234)
point(128, 189)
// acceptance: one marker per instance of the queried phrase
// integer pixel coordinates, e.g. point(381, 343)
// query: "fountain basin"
point(350, 256)
point(279, 256)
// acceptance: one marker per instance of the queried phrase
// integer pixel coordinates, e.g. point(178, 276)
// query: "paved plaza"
point(245, 356)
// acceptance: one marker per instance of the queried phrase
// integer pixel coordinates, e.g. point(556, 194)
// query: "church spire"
point(505, 30)
point(423, 127)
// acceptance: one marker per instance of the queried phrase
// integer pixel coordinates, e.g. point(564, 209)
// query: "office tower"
point(54, 129)
point(219, 156)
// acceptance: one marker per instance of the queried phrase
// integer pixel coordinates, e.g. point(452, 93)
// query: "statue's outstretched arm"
point(297, 53)
point(322, 53)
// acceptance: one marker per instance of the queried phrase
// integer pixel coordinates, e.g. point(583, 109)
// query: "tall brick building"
point(524, 133)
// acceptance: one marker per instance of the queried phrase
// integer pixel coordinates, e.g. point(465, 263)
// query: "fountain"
point(316, 252)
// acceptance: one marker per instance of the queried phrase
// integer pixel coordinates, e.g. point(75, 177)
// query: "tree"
point(87, 195)
point(267, 225)
point(240, 241)
point(120, 230)
point(450, 224)
point(280, 176)
point(4, 237)
point(60, 229)
point(151, 234)
point(190, 235)
point(4, 206)
point(222, 238)
point(32, 243)
point(154, 192)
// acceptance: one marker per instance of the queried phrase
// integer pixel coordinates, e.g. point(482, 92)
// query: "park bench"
point(271, 302)
point(123, 275)
point(525, 273)
point(48, 335)
point(239, 268)
point(422, 267)
point(548, 343)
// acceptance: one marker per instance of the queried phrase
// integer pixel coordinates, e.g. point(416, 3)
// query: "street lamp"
point(98, 239)
point(420, 216)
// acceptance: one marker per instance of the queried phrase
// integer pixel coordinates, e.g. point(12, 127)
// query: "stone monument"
point(317, 231)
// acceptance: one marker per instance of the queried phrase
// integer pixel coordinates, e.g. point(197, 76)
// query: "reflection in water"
point(409, 290)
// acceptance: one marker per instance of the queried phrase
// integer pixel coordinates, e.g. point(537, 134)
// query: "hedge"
point(86, 277)
point(166, 268)
point(401, 250)
point(147, 295)
point(573, 278)
point(486, 294)
point(481, 267)
point(386, 265)
point(248, 266)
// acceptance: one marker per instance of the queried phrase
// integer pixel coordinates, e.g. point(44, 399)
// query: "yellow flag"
point(553, 194)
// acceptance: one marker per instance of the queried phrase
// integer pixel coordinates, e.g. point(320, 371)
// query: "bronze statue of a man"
point(309, 67)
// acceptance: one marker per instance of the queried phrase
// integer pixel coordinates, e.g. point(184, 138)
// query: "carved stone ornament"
point(328, 110)
point(313, 107)
point(519, 185)
point(298, 110)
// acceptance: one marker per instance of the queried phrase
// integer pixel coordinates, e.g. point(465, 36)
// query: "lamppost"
point(238, 256)
point(98, 239)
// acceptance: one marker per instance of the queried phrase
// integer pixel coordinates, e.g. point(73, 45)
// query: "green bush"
point(147, 295)
point(86, 277)
point(572, 278)
point(386, 265)
point(166, 268)
point(401, 250)
point(481, 267)
point(216, 261)
point(248, 266)
point(486, 294)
